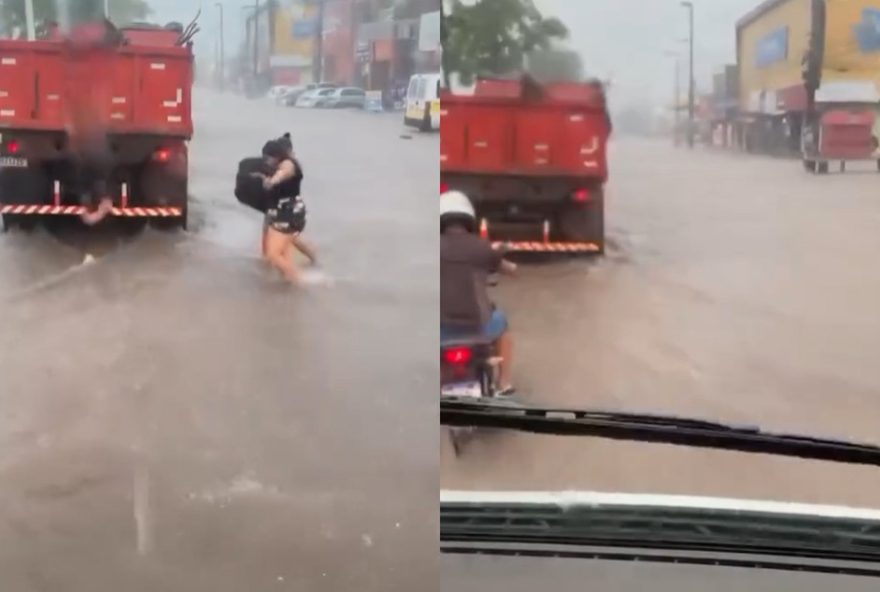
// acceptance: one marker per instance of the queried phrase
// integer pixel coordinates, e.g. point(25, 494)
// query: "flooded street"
point(736, 288)
point(173, 416)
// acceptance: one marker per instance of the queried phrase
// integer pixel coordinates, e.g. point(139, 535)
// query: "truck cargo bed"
point(143, 90)
point(561, 133)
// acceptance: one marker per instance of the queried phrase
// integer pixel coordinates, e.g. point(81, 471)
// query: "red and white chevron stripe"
point(52, 210)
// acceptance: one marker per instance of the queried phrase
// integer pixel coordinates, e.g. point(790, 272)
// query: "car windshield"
point(688, 235)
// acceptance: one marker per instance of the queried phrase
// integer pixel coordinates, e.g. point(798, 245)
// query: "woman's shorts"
point(289, 217)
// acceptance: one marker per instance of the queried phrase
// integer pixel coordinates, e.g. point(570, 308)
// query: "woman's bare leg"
point(280, 256)
point(305, 248)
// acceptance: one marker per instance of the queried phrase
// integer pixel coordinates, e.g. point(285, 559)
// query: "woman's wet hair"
point(286, 141)
point(275, 149)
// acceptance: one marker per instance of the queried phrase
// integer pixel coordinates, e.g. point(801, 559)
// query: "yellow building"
point(295, 30)
point(773, 39)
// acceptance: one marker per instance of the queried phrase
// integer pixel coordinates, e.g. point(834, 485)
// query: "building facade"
point(373, 44)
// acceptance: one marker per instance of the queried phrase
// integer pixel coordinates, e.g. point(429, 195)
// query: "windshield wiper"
point(610, 531)
point(657, 429)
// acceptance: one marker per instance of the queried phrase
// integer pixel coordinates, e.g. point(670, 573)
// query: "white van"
point(423, 102)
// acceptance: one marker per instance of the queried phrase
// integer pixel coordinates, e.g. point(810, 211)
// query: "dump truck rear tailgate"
point(140, 90)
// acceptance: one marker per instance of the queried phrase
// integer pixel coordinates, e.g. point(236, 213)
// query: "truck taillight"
point(581, 195)
point(444, 187)
point(13, 146)
point(162, 155)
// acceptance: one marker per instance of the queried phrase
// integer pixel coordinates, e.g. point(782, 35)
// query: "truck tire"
point(584, 223)
point(810, 166)
point(822, 168)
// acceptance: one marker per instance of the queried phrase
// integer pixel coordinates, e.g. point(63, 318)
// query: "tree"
point(555, 65)
point(493, 37)
point(121, 11)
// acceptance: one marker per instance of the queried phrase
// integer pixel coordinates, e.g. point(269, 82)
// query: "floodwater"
point(173, 416)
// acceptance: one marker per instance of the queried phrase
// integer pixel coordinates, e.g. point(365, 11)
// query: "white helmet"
point(455, 205)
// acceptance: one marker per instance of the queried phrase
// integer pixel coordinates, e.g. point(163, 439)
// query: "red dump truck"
point(139, 89)
point(532, 159)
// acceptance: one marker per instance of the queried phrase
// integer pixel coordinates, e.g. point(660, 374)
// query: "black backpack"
point(248, 188)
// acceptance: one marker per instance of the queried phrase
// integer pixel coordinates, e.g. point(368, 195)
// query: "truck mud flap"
point(547, 247)
point(44, 210)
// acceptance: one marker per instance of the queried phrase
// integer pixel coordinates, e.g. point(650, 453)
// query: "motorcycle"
point(469, 369)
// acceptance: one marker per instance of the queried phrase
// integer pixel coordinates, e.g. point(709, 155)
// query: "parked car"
point(341, 98)
point(284, 97)
point(277, 92)
point(310, 98)
point(293, 95)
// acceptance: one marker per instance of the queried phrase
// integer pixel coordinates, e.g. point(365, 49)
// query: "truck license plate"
point(13, 162)
point(468, 389)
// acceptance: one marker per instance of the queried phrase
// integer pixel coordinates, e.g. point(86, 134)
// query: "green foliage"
point(493, 37)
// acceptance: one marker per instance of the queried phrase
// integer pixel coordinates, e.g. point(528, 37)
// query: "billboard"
point(772, 48)
point(296, 28)
point(867, 30)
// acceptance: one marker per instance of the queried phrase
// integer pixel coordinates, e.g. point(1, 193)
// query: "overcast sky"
point(622, 39)
point(184, 11)
point(626, 40)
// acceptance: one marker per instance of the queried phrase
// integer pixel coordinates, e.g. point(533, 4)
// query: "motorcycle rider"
point(466, 262)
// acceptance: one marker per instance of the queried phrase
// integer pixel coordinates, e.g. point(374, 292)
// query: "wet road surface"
point(172, 416)
point(736, 288)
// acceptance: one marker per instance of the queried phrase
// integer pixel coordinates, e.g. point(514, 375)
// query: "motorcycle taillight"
point(458, 356)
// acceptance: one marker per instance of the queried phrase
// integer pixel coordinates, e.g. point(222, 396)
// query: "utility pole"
point(691, 86)
point(29, 20)
point(676, 98)
point(222, 50)
point(256, 39)
point(318, 65)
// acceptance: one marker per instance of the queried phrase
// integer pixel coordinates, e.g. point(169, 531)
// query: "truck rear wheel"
point(822, 168)
point(584, 222)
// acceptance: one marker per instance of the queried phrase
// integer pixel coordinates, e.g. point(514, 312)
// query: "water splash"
point(317, 277)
